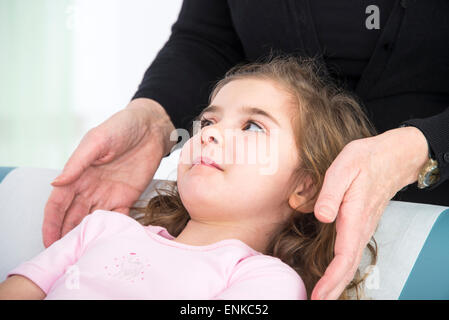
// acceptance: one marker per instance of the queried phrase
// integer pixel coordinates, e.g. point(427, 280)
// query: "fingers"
point(338, 275)
point(90, 149)
point(349, 245)
point(122, 210)
point(54, 212)
point(337, 181)
point(78, 210)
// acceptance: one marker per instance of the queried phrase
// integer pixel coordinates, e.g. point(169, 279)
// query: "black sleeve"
point(436, 131)
point(203, 45)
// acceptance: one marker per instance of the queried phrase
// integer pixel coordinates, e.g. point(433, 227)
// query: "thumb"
point(89, 150)
point(336, 183)
point(326, 214)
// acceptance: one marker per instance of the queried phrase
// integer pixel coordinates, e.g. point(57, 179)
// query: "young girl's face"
point(254, 154)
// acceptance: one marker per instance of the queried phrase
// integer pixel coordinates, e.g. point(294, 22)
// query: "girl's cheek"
point(191, 150)
point(245, 150)
point(186, 153)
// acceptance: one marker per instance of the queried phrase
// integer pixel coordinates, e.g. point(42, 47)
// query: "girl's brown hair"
point(324, 120)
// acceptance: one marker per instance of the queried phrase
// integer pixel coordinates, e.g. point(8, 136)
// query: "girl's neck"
point(200, 233)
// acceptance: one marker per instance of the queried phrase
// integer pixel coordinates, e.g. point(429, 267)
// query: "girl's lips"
point(206, 161)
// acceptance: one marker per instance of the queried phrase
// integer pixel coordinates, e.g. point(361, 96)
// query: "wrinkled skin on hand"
point(357, 188)
point(110, 168)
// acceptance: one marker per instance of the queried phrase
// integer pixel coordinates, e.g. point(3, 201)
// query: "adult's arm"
point(203, 45)
point(436, 131)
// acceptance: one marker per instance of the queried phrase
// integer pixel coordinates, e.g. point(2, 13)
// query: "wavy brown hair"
point(324, 120)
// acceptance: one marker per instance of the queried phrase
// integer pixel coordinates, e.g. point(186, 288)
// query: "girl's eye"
point(205, 122)
point(252, 122)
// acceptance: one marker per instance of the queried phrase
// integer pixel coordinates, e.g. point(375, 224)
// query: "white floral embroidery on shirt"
point(129, 267)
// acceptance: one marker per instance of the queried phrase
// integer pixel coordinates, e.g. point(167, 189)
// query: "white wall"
point(68, 65)
point(114, 43)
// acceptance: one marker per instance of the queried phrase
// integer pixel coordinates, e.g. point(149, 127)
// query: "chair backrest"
point(4, 171)
point(413, 260)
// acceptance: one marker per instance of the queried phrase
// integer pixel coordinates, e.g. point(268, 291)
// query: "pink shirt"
point(110, 255)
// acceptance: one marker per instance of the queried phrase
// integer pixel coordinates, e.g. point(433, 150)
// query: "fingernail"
point(322, 296)
point(56, 180)
point(326, 213)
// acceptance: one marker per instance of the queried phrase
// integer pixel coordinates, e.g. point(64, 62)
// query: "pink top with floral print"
point(110, 255)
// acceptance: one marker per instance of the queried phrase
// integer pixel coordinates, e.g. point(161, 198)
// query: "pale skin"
point(239, 202)
point(372, 169)
point(20, 288)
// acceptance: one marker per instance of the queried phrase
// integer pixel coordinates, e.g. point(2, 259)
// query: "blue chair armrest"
point(4, 172)
point(429, 278)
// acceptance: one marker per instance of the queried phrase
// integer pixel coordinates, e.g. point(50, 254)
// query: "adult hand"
point(110, 168)
point(357, 188)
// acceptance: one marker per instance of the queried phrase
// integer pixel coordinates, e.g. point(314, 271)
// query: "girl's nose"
point(210, 135)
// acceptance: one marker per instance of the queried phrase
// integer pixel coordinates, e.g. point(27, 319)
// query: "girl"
point(227, 228)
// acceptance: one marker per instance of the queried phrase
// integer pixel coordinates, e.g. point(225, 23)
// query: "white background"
point(68, 65)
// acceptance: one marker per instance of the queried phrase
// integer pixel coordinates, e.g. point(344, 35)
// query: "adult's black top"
point(399, 69)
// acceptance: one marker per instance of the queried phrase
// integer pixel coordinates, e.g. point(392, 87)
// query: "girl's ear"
point(301, 199)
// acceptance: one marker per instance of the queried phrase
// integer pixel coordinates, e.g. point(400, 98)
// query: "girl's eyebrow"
point(249, 110)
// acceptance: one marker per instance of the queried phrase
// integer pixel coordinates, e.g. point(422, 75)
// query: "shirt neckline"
point(161, 235)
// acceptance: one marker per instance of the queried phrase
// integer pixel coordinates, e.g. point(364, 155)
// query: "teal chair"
point(413, 239)
point(4, 171)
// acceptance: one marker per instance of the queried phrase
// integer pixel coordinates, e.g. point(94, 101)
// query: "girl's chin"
point(199, 188)
point(193, 196)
